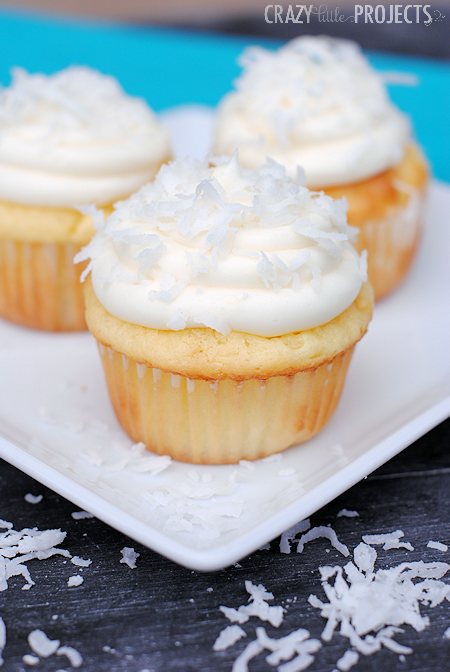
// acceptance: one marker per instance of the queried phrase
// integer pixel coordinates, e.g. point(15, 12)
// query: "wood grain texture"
point(146, 615)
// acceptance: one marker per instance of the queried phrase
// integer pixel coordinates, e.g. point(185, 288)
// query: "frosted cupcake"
point(226, 304)
point(317, 102)
point(66, 139)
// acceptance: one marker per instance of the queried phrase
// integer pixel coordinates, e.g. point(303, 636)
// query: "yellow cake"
point(214, 350)
point(317, 103)
point(68, 139)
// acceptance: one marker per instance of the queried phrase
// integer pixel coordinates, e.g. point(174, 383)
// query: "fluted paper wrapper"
point(221, 421)
point(391, 244)
point(40, 285)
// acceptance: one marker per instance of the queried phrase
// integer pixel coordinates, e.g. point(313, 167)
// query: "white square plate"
point(57, 425)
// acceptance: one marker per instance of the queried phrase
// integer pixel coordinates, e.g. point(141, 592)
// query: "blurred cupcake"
point(226, 304)
point(66, 139)
point(317, 102)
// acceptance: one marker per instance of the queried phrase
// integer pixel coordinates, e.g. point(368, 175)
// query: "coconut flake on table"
point(365, 557)
point(228, 636)
point(379, 602)
point(447, 634)
point(2, 639)
point(75, 581)
point(257, 606)
point(296, 644)
point(129, 557)
point(17, 548)
point(437, 545)
point(29, 659)
point(322, 532)
point(348, 660)
point(80, 562)
point(290, 534)
point(346, 513)
point(33, 499)
point(390, 540)
point(81, 515)
point(41, 645)
point(73, 656)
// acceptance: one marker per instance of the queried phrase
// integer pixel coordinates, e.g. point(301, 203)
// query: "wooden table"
point(164, 618)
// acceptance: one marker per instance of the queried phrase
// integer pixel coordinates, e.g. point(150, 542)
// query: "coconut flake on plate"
point(289, 471)
point(75, 581)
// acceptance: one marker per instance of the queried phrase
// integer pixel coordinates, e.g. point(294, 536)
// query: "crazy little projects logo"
point(361, 14)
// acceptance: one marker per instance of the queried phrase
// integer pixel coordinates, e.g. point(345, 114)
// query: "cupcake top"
point(75, 137)
point(215, 245)
point(315, 102)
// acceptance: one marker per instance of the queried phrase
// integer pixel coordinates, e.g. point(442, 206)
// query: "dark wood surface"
point(162, 618)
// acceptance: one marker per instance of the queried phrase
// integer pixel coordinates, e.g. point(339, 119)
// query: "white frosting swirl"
point(73, 137)
point(232, 249)
point(316, 102)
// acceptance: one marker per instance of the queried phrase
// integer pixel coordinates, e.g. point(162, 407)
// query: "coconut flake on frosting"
point(316, 102)
point(269, 256)
point(75, 137)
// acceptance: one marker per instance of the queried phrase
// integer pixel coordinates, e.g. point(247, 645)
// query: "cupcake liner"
point(391, 243)
point(40, 285)
point(221, 421)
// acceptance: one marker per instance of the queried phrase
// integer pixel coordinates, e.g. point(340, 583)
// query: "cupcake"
point(226, 304)
point(66, 139)
point(317, 102)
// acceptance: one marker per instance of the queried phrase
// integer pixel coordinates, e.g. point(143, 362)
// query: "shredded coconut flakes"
point(17, 548)
point(227, 637)
point(73, 656)
point(41, 645)
point(129, 557)
point(33, 499)
point(437, 546)
point(391, 540)
point(2, 638)
point(326, 533)
point(81, 515)
point(347, 514)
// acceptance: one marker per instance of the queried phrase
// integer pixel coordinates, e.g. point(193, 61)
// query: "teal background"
point(170, 67)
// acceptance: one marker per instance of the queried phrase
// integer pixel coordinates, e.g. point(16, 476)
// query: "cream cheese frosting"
point(215, 245)
point(318, 103)
point(75, 137)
